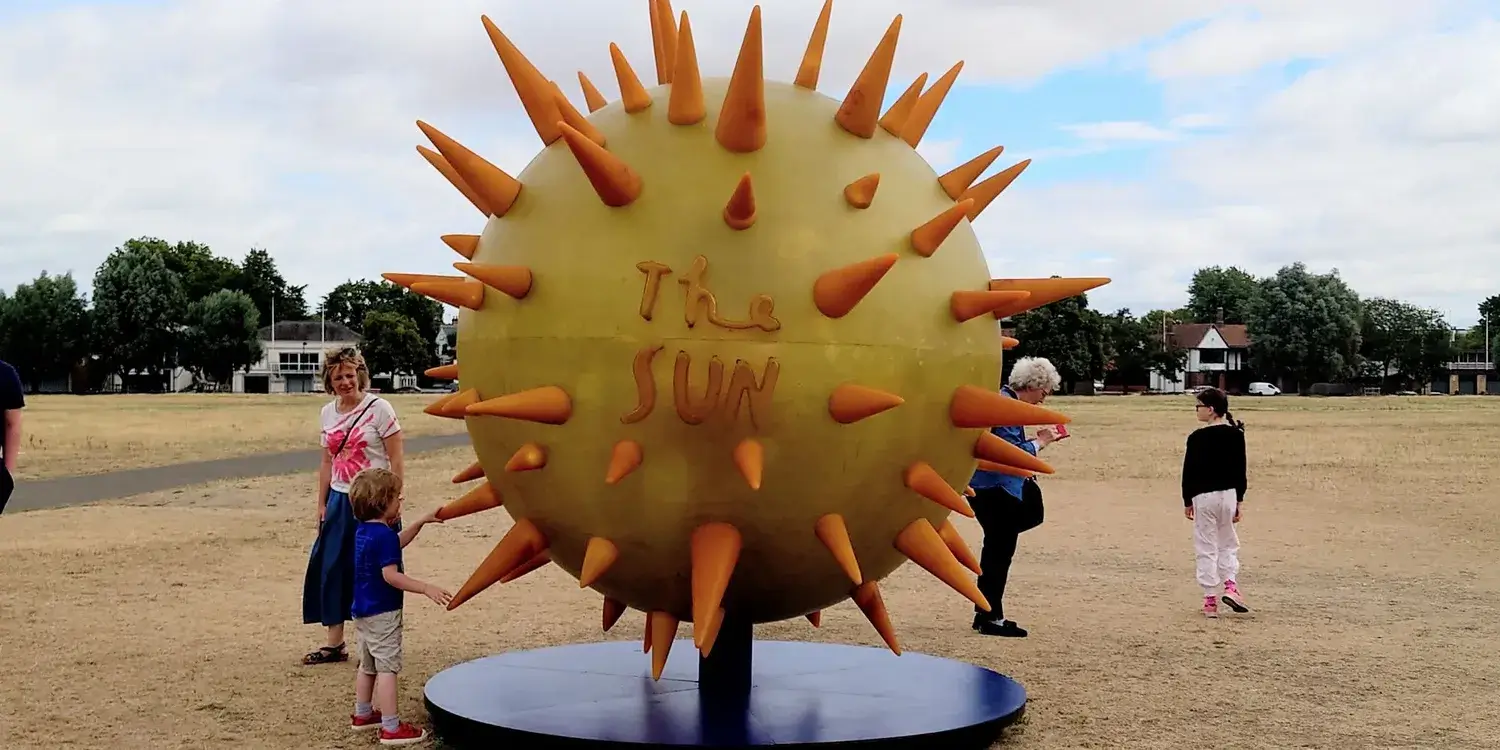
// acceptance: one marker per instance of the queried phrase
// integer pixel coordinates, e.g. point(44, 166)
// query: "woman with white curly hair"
point(1007, 505)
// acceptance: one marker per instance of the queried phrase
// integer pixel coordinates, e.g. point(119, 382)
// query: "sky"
point(1166, 135)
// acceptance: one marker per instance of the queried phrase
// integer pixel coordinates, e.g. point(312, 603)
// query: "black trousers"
point(7, 486)
point(1003, 517)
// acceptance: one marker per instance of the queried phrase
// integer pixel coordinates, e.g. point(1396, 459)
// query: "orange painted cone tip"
point(514, 281)
point(973, 406)
point(598, 557)
point(967, 305)
point(739, 212)
point(624, 459)
point(867, 597)
point(920, 542)
point(537, 561)
point(547, 405)
point(613, 180)
point(520, 543)
point(958, 546)
point(851, 402)
point(922, 479)
point(750, 459)
point(861, 193)
point(834, 534)
point(475, 471)
point(528, 457)
point(715, 549)
point(994, 448)
point(613, 610)
point(482, 498)
point(837, 292)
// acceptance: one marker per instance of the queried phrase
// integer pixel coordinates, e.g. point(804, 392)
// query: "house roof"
point(308, 330)
point(1190, 335)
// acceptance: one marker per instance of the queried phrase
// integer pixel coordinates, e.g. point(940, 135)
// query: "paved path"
point(56, 493)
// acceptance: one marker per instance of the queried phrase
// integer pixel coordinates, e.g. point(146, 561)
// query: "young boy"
point(379, 581)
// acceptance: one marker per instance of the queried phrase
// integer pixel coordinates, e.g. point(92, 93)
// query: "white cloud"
point(1120, 130)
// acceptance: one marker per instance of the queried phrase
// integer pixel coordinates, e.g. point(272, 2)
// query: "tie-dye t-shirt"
point(366, 445)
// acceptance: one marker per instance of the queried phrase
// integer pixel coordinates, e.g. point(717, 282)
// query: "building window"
point(1211, 356)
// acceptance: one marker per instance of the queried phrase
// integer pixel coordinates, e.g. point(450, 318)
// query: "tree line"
point(157, 306)
point(1304, 327)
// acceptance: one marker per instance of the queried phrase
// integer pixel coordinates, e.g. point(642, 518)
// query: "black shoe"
point(1002, 628)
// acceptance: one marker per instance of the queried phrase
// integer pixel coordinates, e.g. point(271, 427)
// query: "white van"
point(1263, 389)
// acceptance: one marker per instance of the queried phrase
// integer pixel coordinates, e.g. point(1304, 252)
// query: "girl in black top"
point(1213, 486)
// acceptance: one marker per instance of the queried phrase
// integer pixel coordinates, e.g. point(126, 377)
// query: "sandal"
point(326, 655)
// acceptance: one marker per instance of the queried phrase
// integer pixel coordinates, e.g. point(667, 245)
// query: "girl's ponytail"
point(1229, 417)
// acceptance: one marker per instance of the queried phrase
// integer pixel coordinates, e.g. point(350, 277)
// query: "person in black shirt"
point(1213, 487)
point(12, 400)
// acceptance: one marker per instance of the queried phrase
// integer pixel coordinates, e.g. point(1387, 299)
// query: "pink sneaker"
point(364, 723)
point(405, 734)
point(1210, 607)
point(1233, 598)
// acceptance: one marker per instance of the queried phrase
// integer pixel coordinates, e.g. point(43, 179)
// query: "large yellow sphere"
point(581, 328)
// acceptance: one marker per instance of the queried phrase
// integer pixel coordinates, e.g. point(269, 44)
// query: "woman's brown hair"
point(333, 359)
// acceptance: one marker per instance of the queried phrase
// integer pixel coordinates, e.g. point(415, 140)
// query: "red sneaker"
point(405, 734)
point(362, 723)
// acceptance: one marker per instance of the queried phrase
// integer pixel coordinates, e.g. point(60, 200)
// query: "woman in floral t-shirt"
point(359, 431)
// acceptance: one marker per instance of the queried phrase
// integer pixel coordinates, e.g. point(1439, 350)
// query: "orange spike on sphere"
point(834, 535)
point(531, 86)
point(408, 279)
point(497, 189)
point(926, 107)
point(685, 105)
point(624, 459)
point(991, 447)
point(664, 36)
point(646, 641)
point(973, 406)
point(921, 543)
point(511, 280)
point(739, 213)
point(867, 598)
point(528, 457)
point(922, 479)
point(521, 543)
point(633, 94)
point(447, 170)
point(1046, 291)
point(463, 244)
point(742, 119)
point(837, 292)
point(537, 561)
point(958, 546)
point(613, 609)
point(613, 180)
point(750, 459)
point(547, 405)
point(861, 108)
point(453, 406)
point(597, 559)
point(705, 633)
point(816, 618)
point(475, 471)
point(480, 499)
point(574, 118)
point(926, 239)
point(861, 192)
point(663, 632)
point(591, 95)
point(812, 59)
point(445, 372)
point(896, 116)
point(985, 192)
point(998, 468)
point(956, 181)
point(465, 293)
point(968, 305)
point(850, 403)
point(715, 550)
point(1007, 342)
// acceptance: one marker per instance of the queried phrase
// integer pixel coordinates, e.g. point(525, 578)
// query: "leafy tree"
point(1136, 348)
point(259, 278)
point(393, 344)
point(222, 335)
point(1490, 310)
point(1403, 341)
point(1305, 325)
point(1215, 288)
point(46, 326)
point(202, 273)
point(350, 302)
point(1069, 334)
point(138, 309)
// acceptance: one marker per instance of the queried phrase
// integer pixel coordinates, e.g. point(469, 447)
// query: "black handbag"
point(1031, 511)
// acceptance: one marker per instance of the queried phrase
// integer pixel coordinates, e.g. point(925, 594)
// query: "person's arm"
point(1017, 436)
point(388, 428)
point(12, 439)
point(409, 533)
point(406, 583)
point(1240, 481)
point(395, 447)
point(1189, 456)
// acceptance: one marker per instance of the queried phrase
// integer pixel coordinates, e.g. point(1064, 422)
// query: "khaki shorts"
point(379, 648)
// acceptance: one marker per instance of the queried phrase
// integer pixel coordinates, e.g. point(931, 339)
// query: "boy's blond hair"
point(372, 492)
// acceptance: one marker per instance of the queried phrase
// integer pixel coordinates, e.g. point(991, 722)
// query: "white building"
point(293, 361)
point(1218, 355)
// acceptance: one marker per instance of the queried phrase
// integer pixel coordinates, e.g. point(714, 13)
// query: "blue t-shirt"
point(1016, 436)
point(376, 545)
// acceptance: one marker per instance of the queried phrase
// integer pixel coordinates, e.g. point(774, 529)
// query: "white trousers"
point(1214, 539)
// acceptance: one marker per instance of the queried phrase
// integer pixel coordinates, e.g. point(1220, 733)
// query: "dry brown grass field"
point(70, 435)
point(1369, 555)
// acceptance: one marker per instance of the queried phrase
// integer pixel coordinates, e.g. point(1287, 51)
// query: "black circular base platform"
point(806, 695)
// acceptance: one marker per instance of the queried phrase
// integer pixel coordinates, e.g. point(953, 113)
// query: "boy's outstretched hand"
point(430, 516)
point(437, 594)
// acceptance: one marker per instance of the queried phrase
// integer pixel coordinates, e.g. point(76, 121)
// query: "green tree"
point(1305, 326)
point(46, 324)
point(1402, 341)
point(393, 344)
point(222, 336)
point(202, 273)
point(138, 309)
point(262, 281)
point(1069, 334)
point(1229, 289)
point(351, 301)
point(1135, 348)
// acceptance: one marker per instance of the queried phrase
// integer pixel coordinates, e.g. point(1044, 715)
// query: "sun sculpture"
point(728, 345)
